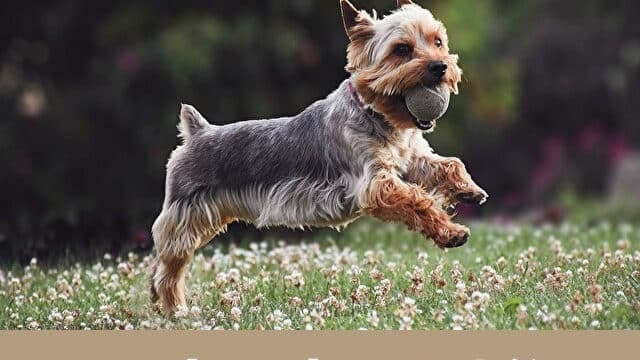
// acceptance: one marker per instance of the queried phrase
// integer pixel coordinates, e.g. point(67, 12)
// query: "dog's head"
point(388, 56)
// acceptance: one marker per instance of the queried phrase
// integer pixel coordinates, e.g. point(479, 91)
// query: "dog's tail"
point(190, 122)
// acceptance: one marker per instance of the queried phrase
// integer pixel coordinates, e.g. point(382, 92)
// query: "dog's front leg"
point(446, 176)
point(391, 199)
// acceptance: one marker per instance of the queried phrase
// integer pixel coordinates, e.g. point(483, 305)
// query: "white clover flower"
point(182, 311)
point(318, 317)
point(545, 317)
point(593, 308)
point(195, 311)
point(330, 273)
point(294, 302)
point(55, 315)
point(233, 275)
point(521, 312)
point(375, 274)
point(405, 323)
point(392, 266)
point(458, 320)
point(248, 283)
point(372, 318)
point(360, 294)
point(221, 279)
point(235, 314)
point(355, 273)
point(382, 291)
point(501, 262)
point(125, 268)
point(230, 298)
point(295, 278)
point(408, 308)
point(32, 324)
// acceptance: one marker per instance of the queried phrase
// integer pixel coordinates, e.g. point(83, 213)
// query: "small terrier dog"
point(357, 152)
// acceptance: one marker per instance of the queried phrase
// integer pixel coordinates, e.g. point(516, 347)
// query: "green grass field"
point(372, 276)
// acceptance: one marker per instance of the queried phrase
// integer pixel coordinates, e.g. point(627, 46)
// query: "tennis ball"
point(427, 103)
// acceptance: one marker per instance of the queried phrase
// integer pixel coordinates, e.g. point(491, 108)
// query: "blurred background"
point(547, 120)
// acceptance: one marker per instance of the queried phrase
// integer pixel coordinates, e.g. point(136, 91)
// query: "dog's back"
point(251, 153)
point(268, 172)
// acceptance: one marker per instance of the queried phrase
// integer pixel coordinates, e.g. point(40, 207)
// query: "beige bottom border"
point(325, 345)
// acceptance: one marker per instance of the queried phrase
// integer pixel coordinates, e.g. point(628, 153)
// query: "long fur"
point(326, 166)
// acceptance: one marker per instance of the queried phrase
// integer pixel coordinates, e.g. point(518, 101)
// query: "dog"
point(357, 152)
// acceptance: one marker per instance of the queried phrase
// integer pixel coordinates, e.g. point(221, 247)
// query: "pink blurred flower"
point(617, 148)
point(141, 238)
point(553, 150)
point(589, 136)
point(128, 61)
point(552, 153)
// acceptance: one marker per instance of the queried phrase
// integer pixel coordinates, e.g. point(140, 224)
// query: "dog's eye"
point(403, 50)
point(438, 42)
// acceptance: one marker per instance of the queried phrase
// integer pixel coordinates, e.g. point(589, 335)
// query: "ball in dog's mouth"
point(427, 104)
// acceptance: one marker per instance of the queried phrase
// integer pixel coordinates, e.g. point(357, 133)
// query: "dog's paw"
point(476, 197)
point(457, 241)
point(454, 236)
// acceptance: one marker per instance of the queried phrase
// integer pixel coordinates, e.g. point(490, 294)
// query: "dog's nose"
point(437, 69)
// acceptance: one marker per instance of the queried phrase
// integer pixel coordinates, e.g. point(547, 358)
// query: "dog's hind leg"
point(169, 281)
point(153, 268)
point(178, 231)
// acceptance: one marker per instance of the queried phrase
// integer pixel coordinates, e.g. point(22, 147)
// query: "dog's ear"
point(401, 3)
point(353, 19)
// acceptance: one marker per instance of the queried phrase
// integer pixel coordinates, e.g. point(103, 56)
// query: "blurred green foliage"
point(89, 95)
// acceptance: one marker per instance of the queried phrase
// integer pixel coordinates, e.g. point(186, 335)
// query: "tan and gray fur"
point(353, 153)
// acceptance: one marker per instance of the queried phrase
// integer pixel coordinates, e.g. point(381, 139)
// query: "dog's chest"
point(399, 150)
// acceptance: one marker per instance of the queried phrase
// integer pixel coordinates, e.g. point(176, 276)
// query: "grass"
point(372, 276)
